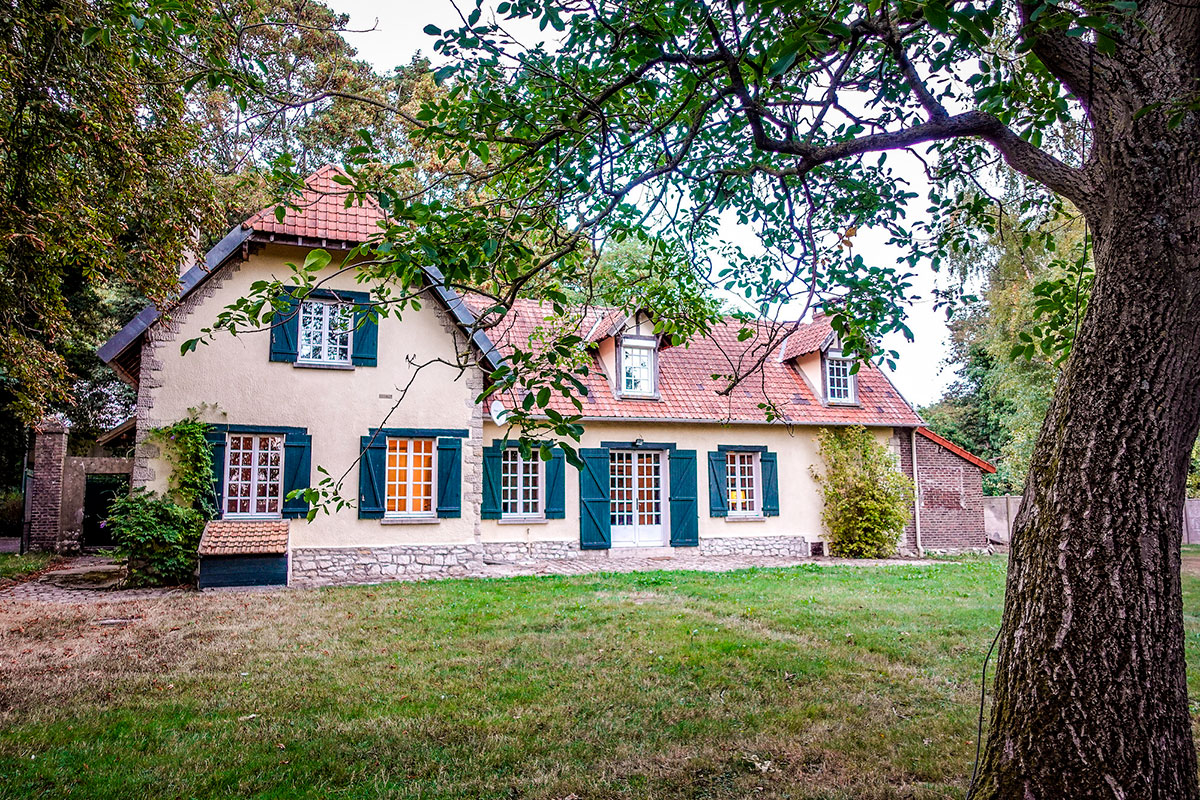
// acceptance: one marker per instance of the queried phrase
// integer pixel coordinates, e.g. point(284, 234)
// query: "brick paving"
point(38, 591)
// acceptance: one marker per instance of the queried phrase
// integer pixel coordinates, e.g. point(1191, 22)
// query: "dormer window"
point(325, 328)
point(639, 367)
point(840, 383)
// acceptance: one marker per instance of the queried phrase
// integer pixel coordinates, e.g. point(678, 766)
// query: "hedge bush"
point(156, 538)
point(867, 499)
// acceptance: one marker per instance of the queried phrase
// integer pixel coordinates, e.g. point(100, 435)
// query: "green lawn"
point(816, 682)
point(14, 567)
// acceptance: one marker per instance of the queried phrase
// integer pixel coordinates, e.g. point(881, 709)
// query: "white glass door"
point(636, 502)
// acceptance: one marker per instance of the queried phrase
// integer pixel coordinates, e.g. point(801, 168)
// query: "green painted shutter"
point(685, 514)
point(491, 483)
point(285, 331)
point(718, 494)
point(449, 469)
point(297, 469)
point(556, 493)
point(372, 476)
point(769, 466)
point(216, 447)
point(364, 352)
point(595, 524)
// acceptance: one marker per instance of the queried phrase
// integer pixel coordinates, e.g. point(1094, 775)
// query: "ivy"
point(187, 450)
point(867, 500)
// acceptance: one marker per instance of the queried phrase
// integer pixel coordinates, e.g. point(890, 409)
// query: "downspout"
point(916, 494)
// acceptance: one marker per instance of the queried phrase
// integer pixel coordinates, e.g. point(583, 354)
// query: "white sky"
point(398, 34)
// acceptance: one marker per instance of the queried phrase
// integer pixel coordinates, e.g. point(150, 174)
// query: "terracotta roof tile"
point(322, 212)
point(687, 390)
point(808, 338)
point(227, 537)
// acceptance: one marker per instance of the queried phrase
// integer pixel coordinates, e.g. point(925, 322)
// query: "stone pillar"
point(49, 454)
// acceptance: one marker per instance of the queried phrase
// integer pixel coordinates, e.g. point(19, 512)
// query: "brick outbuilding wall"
point(950, 491)
point(951, 494)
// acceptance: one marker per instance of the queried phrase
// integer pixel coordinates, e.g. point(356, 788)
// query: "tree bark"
point(1090, 689)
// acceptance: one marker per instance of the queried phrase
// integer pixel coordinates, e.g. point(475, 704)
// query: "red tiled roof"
point(322, 212)
point(687, 389)
point(807, 338)
point(225, 537)
point(958, 451)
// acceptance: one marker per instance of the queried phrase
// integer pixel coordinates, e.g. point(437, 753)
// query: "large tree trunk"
point(1090, 691)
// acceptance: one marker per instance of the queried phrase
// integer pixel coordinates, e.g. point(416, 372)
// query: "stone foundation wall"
point(331, 566)
point(772, 546)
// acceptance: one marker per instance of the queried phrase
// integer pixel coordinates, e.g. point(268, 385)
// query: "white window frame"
point(325, 331)
point(408, 481)
point(512, 456)
point(833, 358)
point(254, 484)
point(643, 345)
point(756, 486)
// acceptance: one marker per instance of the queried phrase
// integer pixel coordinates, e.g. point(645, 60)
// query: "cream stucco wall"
point(233, 381)
point(240, 385)
point(799, 495)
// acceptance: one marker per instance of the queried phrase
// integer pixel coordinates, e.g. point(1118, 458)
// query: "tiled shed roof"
point(322, 212)
point(224, 537)
point(689, 392)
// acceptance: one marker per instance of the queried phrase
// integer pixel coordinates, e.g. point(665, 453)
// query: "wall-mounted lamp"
point(638, 442)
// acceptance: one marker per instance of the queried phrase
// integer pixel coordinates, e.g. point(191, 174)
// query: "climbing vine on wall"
point(187, 451)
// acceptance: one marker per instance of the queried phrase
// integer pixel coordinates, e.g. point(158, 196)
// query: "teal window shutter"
point(556, 495)
point(297, 469)
point(685, 513)
point(491, 483)
point(449, 469)
point(718, 495)
point(365, 349)
point(372, 476)
point(595, 524)
point(769, 467)
point(285, 331)
point(216, 448)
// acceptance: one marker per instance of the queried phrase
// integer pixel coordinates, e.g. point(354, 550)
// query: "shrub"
point(156, 537)
point(867, 499)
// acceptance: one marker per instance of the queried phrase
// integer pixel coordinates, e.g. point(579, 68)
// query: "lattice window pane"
point(325, 330)
point(839, 379)
point(520, 484)
point(741, 478)
point(410, 477)
point(253, 475)
point(637, 368)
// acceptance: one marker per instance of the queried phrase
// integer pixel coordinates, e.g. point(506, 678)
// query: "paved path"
point(41, 591)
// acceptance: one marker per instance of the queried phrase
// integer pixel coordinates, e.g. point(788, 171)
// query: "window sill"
point(732, 518)
point(525, 521)
point(410, 521)
point(845, 403)
point(315, 365)
point(630, 396)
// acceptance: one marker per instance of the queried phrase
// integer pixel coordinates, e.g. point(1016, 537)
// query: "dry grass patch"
point(809, 682)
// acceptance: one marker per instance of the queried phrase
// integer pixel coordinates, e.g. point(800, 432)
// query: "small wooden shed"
point(244, 553)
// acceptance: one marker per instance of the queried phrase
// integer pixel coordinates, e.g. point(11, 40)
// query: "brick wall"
point(45, 507)
point(951, 496)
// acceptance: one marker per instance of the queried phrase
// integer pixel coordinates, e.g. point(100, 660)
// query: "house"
point(668, 462)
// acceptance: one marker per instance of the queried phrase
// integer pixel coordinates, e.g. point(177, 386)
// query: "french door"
point(636, 498)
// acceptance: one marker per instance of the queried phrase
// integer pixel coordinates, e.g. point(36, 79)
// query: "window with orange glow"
point(410, 478)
